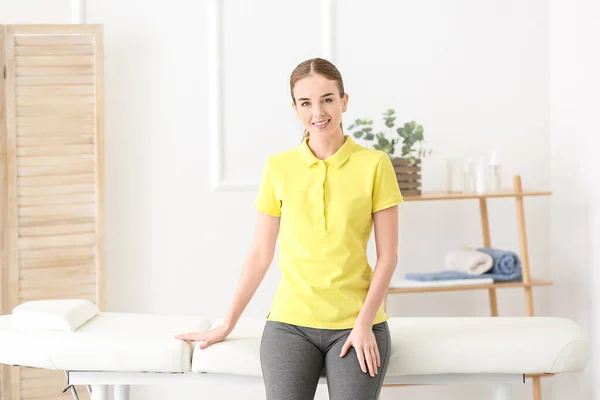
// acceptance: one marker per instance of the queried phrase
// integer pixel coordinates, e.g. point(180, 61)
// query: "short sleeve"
point(386, 192)
point(266, 201)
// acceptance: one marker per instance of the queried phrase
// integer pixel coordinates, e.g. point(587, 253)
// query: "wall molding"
point(78, 11)
point(215, 59)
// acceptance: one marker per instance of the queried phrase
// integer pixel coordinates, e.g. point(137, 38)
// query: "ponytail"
point(305, 135)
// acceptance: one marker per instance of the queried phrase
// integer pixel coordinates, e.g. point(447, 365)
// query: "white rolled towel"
point(469, 260)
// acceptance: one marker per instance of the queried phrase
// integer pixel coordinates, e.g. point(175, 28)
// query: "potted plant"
point(410, 140)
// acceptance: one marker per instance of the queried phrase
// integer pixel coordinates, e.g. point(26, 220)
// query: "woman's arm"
point(386, 239)
point(255, 267)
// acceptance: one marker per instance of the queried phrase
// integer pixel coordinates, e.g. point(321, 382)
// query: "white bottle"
point(495, 182)
point(468, 181)
point(480, 170)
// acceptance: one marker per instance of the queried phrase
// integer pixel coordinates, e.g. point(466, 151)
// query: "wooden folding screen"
point(51, 178)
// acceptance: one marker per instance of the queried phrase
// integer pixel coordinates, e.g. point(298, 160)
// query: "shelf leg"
point(493, 302)
point(485, 230)
point(485, 222)
point(537, 390)
point(523, 244)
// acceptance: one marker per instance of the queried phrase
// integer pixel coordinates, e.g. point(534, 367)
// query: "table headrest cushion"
point(65, 315)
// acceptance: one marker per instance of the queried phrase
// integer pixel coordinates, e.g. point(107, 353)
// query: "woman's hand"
point(206, 338)
point(363, 340)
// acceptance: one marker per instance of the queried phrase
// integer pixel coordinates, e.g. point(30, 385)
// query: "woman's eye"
point(328, 100)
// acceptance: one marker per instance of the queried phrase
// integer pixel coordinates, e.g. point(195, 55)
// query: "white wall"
point(476, 74)
point(575, 222)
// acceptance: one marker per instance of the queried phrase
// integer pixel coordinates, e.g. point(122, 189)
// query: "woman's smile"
point(322, 124)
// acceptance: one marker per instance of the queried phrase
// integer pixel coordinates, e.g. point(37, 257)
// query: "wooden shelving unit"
point(528, 283)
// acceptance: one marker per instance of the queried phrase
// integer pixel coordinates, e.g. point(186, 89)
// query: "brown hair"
point(316, 66)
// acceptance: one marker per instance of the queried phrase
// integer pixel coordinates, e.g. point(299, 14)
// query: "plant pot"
point(408, 175)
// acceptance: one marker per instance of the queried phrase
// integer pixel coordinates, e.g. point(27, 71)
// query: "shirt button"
point(321, 221)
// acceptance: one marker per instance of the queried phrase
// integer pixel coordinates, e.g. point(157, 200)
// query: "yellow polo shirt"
point(326, 209)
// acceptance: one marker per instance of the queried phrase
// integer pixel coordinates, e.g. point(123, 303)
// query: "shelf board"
point(444, 195)
point(502, 285)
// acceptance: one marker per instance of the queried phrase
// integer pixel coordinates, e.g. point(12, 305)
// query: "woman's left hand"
point(363, 340)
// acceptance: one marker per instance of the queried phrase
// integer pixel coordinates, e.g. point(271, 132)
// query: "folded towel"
point(443, 276)
point(506, 268)
point(406, 283)
point(469, 260)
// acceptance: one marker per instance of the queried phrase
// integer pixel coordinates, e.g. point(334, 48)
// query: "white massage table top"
point(141, 342)
point(424, 346)
point(107, 342)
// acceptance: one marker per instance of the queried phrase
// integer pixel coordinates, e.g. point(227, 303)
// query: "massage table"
point(108, 350)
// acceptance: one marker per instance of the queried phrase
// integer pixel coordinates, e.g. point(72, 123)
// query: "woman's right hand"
point(206, 338)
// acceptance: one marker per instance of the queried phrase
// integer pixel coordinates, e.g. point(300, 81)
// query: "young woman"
point(322, 199)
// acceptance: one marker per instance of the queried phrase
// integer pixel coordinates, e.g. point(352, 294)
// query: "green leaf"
point(351, 127)
point(368, 129)
point(357, 122)
point(389, 123)
point(358, 134)
point(369, 136)
point(419, 132)
point(407, 128)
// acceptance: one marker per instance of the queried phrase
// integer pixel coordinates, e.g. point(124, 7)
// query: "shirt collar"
point(335, 160)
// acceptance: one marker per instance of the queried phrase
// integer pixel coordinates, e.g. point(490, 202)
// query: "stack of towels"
point(469, 265)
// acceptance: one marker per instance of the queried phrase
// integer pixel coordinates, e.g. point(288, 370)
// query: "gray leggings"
point(294, 357)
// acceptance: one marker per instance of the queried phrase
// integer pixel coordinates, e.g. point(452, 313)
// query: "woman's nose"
point(318, 112)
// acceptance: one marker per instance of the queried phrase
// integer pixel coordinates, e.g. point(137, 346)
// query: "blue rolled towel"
point(506, 268)
point(505, 262)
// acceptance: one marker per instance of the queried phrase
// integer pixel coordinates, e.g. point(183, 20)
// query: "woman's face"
point(319, 105)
